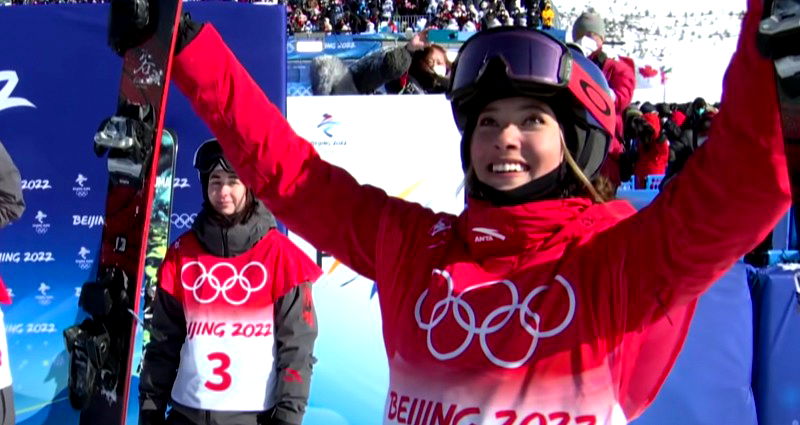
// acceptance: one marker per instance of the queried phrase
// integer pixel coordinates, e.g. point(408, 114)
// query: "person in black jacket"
point(233, 324)
point(11, 207)
point(11, 203)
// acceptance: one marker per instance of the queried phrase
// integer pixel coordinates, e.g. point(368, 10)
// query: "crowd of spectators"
point(637, 29)
point(659, 138)
point(369, 16)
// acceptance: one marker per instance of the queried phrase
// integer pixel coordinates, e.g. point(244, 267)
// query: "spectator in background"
point(548, 16)
point(704, 126)
point(651, 146)
point(11, 207)
point(695, 113)
point(330, 76)
point(698, 138)
point(589, 32)
point(428, 73)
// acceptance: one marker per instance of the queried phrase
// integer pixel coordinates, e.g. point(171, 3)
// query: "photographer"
point(652, 147)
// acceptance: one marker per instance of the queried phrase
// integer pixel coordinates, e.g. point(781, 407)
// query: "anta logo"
point(9, 81)
point(88, 220)
point(471, 318)
point(485, 234)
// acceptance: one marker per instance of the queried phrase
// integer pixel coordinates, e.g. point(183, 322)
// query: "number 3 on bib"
point(225, 378)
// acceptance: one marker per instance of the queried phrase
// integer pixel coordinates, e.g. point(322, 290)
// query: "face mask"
point(587, 45)
point(440, 70)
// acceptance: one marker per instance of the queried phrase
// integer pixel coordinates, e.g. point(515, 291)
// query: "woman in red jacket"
point(541, 302)
point(652, 150)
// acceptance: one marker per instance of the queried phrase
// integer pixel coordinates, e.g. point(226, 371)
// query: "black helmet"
point(206, 158)
point(513, 61)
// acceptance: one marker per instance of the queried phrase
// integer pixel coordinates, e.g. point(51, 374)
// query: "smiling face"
point(226, 193)
point(516, 140)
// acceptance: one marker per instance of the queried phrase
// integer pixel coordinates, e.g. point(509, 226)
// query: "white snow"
point(695, 38)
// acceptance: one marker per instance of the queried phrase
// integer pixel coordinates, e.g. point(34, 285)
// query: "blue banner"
point(58, 80)
point(344, 46)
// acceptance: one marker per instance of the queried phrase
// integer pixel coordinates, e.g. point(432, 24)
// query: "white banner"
point(408, 146)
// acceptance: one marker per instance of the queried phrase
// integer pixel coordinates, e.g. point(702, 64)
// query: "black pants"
point(7, 414)
point(189, 416)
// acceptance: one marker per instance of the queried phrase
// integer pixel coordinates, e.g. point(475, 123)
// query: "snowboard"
point(101, 347)
point(779, 40)
point(157, 244)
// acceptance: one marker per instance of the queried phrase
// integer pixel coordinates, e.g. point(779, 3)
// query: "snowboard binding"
point(779, 40)
point(127, 137)
point(88, 345)
point(109, 293)
point(93, 363)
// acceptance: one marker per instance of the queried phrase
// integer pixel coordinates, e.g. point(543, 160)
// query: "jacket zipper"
point(225, 243)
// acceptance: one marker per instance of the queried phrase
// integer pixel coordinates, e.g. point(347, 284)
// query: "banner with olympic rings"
point(58, 80)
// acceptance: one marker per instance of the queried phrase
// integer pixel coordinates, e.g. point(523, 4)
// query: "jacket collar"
point(491, 231)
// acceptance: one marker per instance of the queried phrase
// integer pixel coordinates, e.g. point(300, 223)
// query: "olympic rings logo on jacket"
point(490, 324)
point(220, 286)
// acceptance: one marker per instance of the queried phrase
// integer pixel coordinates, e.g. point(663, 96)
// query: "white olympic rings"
point(486, 327)
point(222, 287)
point(182, 221)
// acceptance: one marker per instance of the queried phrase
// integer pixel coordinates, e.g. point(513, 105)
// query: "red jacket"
point(654, 156)
point(556, 310)
point(622, 79)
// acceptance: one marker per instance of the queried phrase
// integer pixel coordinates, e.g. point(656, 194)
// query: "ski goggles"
point(537, 64)
point(208, 156)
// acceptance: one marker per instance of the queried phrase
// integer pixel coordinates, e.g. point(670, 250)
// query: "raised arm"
point(320, 202)
point(728, 197)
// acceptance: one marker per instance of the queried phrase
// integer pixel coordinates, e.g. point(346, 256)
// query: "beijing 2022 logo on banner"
point(81, 189)
point(40, 225)
point(83, 261)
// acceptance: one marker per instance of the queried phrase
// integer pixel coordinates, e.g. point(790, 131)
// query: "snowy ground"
point(695, 38)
